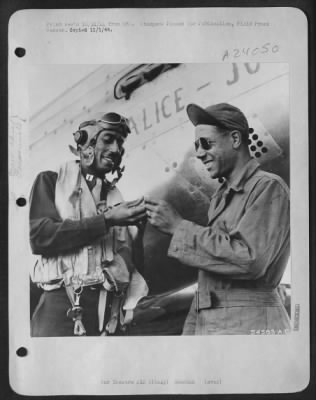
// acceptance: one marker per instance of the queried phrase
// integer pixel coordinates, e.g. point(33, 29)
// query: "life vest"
point(112, 253)
point(106, 261)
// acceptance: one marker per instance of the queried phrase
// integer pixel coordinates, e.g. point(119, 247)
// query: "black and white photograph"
point(156, 190)
point(202, 245)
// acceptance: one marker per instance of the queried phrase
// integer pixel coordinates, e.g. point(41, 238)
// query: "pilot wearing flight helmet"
point(87, 238)
point(242, 252)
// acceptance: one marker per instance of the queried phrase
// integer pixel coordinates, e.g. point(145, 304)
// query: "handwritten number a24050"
point(250, 51)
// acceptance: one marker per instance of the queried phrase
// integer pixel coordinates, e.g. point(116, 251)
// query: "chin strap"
point(119, 171)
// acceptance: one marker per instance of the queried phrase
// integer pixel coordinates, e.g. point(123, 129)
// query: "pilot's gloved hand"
point(126, 213)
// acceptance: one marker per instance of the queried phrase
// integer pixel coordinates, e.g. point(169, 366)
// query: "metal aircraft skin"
point(160, 159)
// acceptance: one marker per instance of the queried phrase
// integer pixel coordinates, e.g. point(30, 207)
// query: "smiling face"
point(108, 151)
point(219, 155)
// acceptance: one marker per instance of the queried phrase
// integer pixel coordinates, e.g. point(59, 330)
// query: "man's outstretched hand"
point(162, 215)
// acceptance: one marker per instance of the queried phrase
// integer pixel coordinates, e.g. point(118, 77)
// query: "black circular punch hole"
point(21, 201)
point(21, 352)
point(19, 52)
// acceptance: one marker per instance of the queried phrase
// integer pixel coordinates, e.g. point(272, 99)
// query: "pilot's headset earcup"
point(85, 133)
point(85, 139)
point(81, 137)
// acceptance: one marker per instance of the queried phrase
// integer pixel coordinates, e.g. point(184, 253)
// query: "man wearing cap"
point(87, 238)
point(242, 252)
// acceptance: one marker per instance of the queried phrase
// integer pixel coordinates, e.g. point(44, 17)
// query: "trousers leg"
point(50, 316)
point(189, 327)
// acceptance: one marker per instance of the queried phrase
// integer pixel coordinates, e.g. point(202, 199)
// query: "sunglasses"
point(205, 143)
point(115, 119)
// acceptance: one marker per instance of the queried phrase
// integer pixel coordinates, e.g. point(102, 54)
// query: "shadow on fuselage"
point(190, 196)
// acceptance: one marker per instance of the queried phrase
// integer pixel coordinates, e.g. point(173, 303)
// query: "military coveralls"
point(241, 256)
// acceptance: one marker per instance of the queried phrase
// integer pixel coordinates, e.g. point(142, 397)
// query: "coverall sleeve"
point(246, 251)
point(49, 234)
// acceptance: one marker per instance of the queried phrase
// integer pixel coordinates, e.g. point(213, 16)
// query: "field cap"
point(223, 115)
